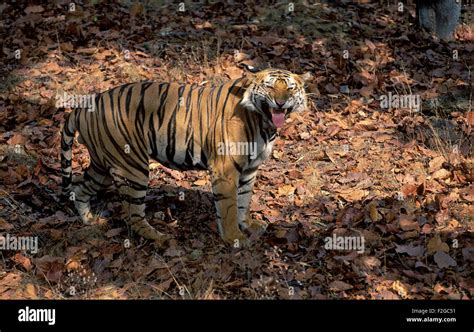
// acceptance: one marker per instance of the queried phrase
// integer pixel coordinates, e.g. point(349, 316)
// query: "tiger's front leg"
point(246, 182)
point(225, 180)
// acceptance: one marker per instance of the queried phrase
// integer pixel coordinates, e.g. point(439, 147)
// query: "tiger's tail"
point(67, 139)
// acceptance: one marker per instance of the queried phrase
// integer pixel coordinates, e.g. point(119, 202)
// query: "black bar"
point(298, 315)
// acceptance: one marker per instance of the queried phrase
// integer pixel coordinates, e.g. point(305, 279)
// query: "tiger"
point(183, 127)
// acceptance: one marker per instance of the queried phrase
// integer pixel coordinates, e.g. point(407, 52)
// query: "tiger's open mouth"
point(276, 114)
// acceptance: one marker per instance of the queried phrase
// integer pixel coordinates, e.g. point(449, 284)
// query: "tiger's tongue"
point(278, 119)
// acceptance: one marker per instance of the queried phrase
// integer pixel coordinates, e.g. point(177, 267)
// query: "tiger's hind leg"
point(92, 181)
point(133, 195)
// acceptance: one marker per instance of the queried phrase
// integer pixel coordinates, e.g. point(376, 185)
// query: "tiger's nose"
point(280, 102)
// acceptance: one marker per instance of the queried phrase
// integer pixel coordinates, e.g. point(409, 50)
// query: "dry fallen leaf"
point(436, 244)
point(400, 288)
point(286, 190)
point(441, 174)
point(436, 163)
point(369, 262)
point(373, 213)
point(66, 47)
point(352, 195)
point(34, 9)
point(443, 260)
point(136, 9)
point(268, 39)
point(409, 189)
point(17, 139)
point(468, 254)
point(366, 124)
point(200, 182)
point(305, 136)
point(407, 223)
point(173, 251)
point(22, 260)
point(30, 291)
point(339, 286)
point(4, 225)
point(9, 281)
point(49, 267)
point(113, 232)
point(387, 295)
point(349, 215)
point(410, 249)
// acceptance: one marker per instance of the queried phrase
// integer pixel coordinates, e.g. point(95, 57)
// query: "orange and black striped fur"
point(181, 126)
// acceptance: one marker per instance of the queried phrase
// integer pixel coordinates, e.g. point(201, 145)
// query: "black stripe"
point(243, 183)
point(66, 126)
point(78, 200)
point(219, 197)
point(65, 147)
point(151, 128)
point(249, 131)
point(86, 190)
point(209, 109)
point(131, 184)
point(171, 139)
point(237, 166)
point(93, 130)
point(203, 157)
point(88, 177)
point(66, 181)
point(65, 163)
point(140, 116)
point(139, 119)
point(250, 170)
point(222, 114)
point(134, 200)
point(189, 137)
point(134, 215)
point(161, 107)
point(199, 110)
point(128, 98)
point(245, 192)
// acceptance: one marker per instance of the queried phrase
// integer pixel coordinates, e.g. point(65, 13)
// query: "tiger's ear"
point(250, 68)
point(306, 76)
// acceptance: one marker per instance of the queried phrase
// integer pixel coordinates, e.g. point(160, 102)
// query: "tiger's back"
point(176, 124)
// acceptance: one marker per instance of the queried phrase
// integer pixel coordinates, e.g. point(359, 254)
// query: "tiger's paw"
point(144, 229)
point(237, 240)
point(85, 213)
point(256, 227)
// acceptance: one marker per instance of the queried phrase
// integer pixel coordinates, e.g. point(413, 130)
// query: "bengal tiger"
point(184, 127)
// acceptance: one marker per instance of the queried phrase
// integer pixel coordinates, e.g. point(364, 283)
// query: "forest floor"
point(399, 179)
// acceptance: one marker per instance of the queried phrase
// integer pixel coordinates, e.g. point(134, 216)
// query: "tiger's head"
point(275, 93)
